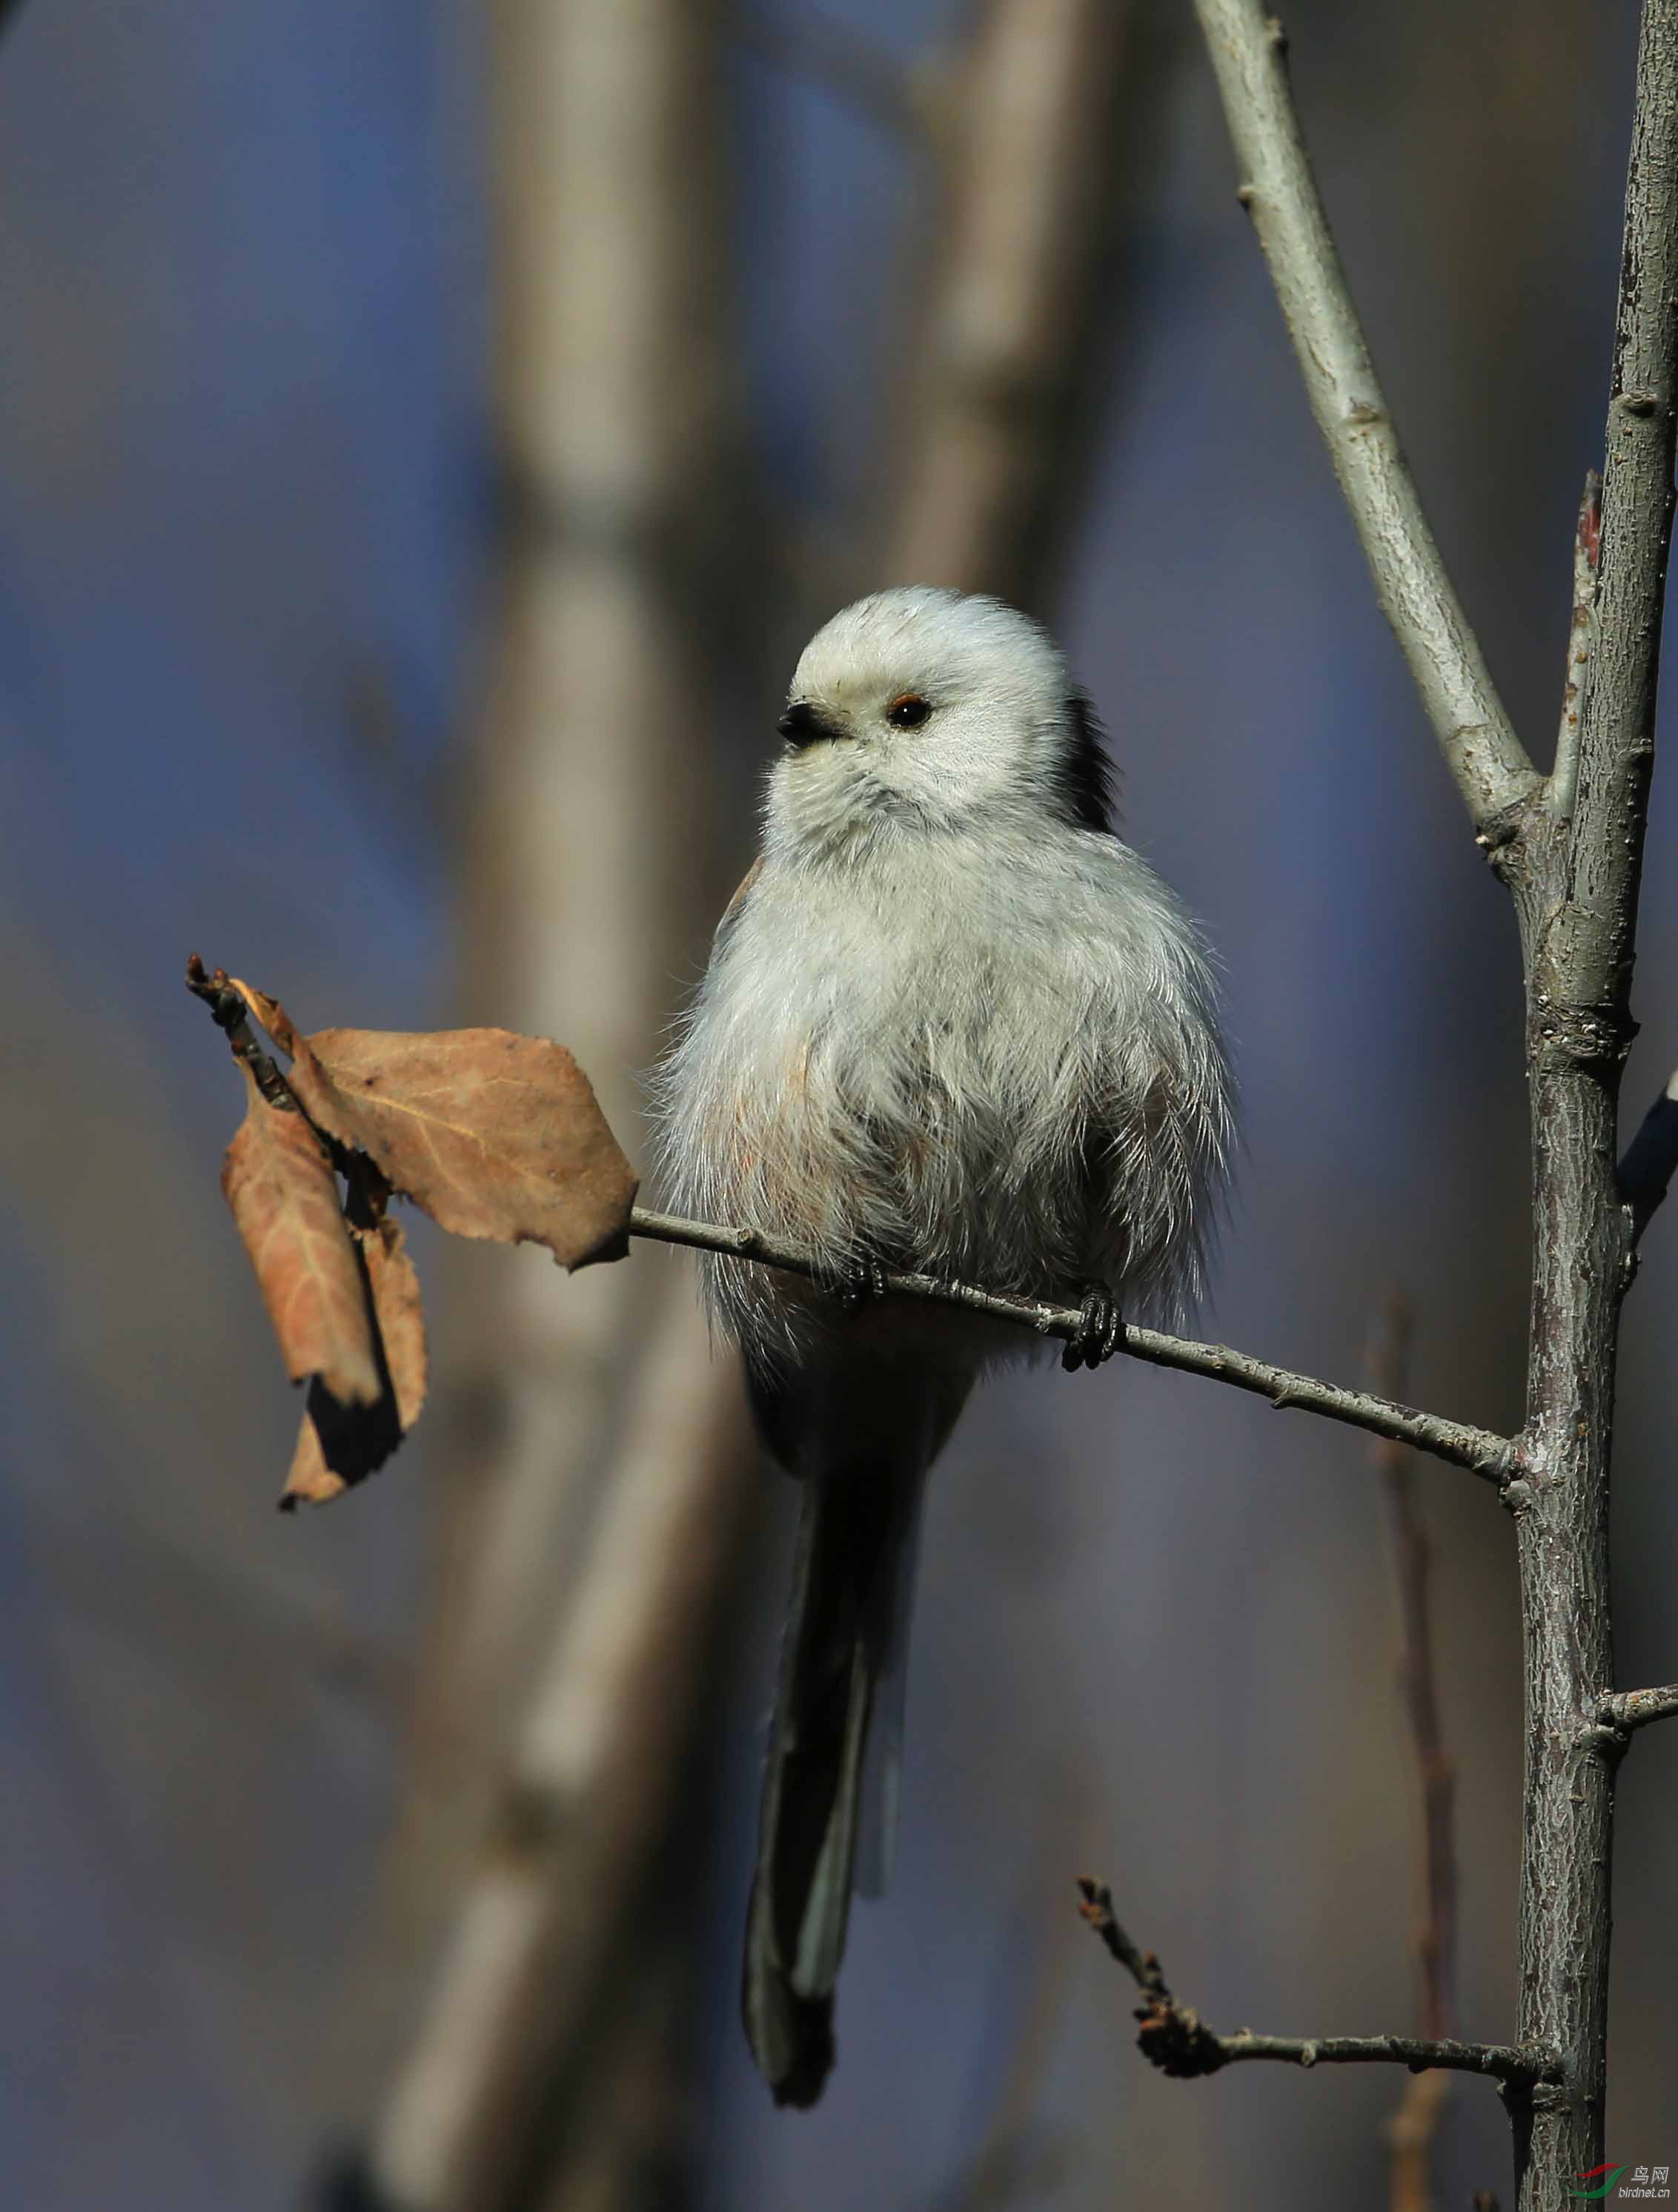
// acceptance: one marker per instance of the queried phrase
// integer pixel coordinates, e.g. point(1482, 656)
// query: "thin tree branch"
point(1174, 2038)
point(1485, 756)
point(1647, 1166)
point(1634, 1709)
point(228, 1011)
point(1562, 786)
point(1483, 1453)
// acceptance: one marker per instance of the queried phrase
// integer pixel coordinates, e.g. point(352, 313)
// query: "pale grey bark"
point(1635, 1708)
point(1576, 888)
point(1563, 785)
point(1572, 855)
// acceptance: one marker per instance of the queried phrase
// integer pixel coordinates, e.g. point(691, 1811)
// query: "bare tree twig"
point(1484, 754)
point(1635, 1708)
point(1174, 2038)
point(229, 1013)
point(1483, 1453)
point(1647, 1165)
point(1562, 786)
point(1415, 2123)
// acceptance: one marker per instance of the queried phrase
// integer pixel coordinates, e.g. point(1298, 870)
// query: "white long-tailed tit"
point(951, 1023)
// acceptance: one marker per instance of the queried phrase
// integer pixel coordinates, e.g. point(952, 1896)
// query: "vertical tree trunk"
point(1044, 132)
point(587, 1413)
point(1577, 884)
point(1570, 848)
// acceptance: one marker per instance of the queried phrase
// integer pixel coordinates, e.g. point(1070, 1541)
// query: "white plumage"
point(951, 1023)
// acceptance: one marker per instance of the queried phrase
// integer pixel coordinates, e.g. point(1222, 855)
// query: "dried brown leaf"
point(339, 1446)
point(396, 1303)
point(495, 1135)
point(269, 1012)
point(311, 1481)
point(279, 1183)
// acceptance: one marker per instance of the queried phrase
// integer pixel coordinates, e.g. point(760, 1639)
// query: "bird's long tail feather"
point(840, 1672)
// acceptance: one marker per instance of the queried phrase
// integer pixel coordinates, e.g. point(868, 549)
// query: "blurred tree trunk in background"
point(599, 1456)
point(1043, 126)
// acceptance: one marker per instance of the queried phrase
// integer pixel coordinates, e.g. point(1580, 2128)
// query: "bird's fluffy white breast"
point(991, 1054)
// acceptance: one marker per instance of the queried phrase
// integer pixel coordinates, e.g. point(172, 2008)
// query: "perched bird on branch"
point(952, 1024)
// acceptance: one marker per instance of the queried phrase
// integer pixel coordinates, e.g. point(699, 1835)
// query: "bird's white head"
point(933, 710)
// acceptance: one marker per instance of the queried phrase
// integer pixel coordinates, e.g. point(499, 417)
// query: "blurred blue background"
point(253, 508)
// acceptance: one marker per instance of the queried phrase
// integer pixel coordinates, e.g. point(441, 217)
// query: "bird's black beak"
point(802, 726)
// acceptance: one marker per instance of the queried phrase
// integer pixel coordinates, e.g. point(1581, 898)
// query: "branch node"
point(227, 1010)
point(1623, 1711)
point(1174, 2037)
point(1598, 1740)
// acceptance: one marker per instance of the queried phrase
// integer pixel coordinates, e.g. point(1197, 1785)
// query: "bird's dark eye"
point(908, 712)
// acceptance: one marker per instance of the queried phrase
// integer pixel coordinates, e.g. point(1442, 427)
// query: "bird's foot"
point(860, 1282)
point(1099, 1331)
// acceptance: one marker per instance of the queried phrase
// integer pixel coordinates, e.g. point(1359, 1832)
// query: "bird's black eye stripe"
point(908, 712)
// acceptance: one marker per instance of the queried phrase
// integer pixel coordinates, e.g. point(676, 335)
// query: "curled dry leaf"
point(339, 1446)
point(394, 1286)
point(495, 1134)
point(284, 1196)
point(269, 1012)
point(309, 1481)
